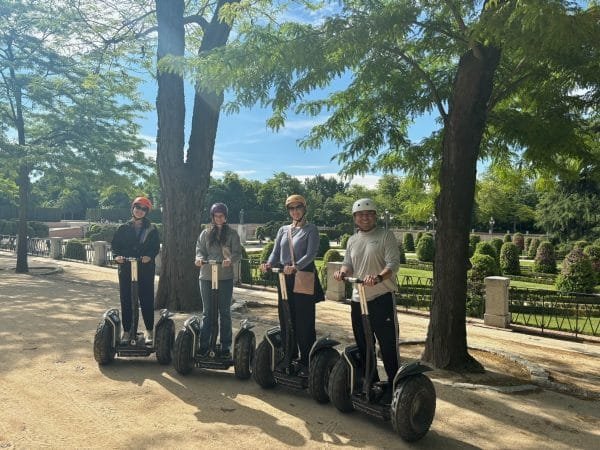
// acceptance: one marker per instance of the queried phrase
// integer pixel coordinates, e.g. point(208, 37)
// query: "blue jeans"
point(224, 316)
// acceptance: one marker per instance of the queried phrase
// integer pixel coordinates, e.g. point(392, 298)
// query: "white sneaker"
point(149, 336)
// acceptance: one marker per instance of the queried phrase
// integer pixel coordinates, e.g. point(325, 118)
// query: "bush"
point(507, 238)
point(426, 248)
point(497, 244)
point(34, 229)
point(474, 239)
point(532, 250)
point(245, 271)
point(266, 251)
point(331, 255)
point(545, 259)
point(409, 242)
point(402, 254)
point(344, 240)
point(593, 252)
point(509, 259)
point(75, 250)
point(527, 244)
point(259, 233)
point(577, 274)
point(323, 244)
point(519, 241)
point(482, 265)
point(581, 244)
point(486, 248)
point(418, 238)
point(101, 232)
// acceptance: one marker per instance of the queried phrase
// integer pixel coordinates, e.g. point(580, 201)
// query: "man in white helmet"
point(372, 254)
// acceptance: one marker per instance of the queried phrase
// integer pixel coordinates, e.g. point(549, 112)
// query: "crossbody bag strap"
point(291, 245)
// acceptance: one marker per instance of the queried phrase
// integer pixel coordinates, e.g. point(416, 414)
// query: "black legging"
point(146, 293)
point(384, 324)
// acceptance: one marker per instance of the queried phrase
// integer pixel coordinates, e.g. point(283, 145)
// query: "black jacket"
point(126, 241)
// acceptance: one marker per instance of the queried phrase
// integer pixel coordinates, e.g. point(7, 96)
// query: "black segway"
point(352, 385)
point(187, 345)
point(107, 340)
point(273, 363)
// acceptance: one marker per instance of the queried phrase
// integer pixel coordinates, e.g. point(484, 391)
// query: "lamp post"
point(492, 222)
point(432, 219)
point(386, 217)
point(242, 216)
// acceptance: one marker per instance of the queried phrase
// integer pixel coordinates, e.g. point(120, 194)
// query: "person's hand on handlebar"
point(370, 280)
point(199, 262)
point(226, 262)
point(288, 270)
point(120, 259)
point(339, 275)
point(264, 267)
point(146, 259)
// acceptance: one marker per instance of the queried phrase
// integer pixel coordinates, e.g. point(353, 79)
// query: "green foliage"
point(344, 240)
point(486, 248)
point(482, 265)
point(474, 239)
point(581, 244)
point(527, 245)
point(426, 248)
point(101, 232)
point(402, 254)
point(519, 241)
point(245, 270)
point(75, 249)
point(593, 252)
point(418, 238)
point(266, 251)
point(507, 238)
point(34, 229)
point(332, 255)
point(577, 274)
point(545, 259)
point(408, 241)
point(509, 259)
point(323, 244)
point(532, 250)
point(260, 233)
point(497, 244)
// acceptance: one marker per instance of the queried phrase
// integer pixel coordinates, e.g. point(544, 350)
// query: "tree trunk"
point(22, 241)
point(446, 344)
point(184, 181)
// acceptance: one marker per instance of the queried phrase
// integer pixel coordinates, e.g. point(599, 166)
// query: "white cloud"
point(368, 181)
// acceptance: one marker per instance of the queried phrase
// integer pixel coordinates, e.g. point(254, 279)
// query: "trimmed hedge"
point(577, 274)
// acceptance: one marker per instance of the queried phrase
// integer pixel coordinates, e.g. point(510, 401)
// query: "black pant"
point(384, 325)
point(302, 312)
point(145, 290)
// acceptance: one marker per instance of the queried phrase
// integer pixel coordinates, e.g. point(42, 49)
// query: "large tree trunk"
point(22, 241)
point(184, 181)
point(446, 344)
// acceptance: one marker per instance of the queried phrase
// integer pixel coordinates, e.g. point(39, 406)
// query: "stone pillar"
point(55, 247)
point(99, 258)
point(241, 229)
point(336, 290)
point(496, 302)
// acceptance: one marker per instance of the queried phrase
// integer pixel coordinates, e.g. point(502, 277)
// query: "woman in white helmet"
point(372, 254)
point(296, 247)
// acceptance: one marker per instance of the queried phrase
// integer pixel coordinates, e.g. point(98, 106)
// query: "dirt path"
point(54, 395)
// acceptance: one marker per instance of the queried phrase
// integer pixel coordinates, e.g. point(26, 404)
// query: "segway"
point(273, 363)
point(107, 340)
point(187, 345)
point(352, 385)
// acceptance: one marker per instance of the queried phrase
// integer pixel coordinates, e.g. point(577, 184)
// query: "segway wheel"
point(104, 352)
point(320, 369)
point(339, 386)
point(164, 339)
point(413, 407)
point(183, 360)
point(262, 372)
point(243, 355)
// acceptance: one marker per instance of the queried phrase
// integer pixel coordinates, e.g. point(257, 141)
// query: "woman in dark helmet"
point(137, 238)
point(221, 243)
point(296, 247)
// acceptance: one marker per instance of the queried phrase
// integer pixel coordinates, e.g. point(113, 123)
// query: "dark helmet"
point(142, 201)
point(219, 208)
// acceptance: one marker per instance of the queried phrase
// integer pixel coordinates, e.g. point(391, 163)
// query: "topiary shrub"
point(507, 238)
point(426, 248)
point(532, 250)
point(402, 254)
point(418, 238)
point(101, 232)
point(497, 244)
point(266, 251)
point(75, 250)
point(545, 259)
point(509, 259)
point(474, 239)
point(482, 266)
point(577, 274)
point(323, 244)
point(486, 248)
point(409, 242)
point(519, 241)
point(331, 255)
point(527, 244)
point(593, 252)
point(245, 271)
point(344, 240)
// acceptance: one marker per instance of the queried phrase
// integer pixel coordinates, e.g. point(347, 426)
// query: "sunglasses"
point(291, 208)
point(141, 208)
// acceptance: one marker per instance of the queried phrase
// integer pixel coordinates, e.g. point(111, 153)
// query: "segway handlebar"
point(354, 280)
point(132, 258)
point(211, 262)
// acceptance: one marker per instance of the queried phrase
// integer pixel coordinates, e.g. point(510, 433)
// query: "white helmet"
point(364, 204)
